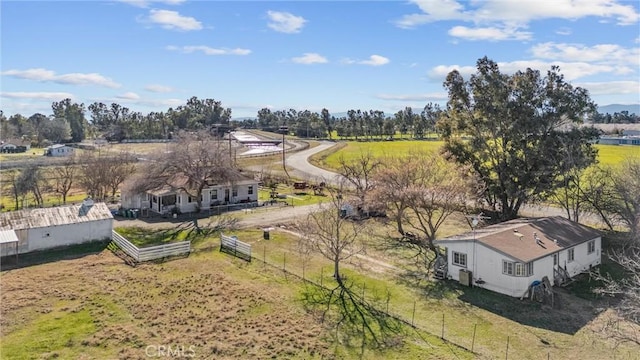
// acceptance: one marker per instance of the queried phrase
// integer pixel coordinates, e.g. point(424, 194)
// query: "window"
point(517, 269)
point(591, 247)
point(214, 195)
point(250, 190)
point(190, 199)
point(555, 259)
point(571, 255)
point(459, 259)
point(507, 267)
point(235, 192)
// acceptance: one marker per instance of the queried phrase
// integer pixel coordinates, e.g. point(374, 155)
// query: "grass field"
point(607, 154)
point(96, 307)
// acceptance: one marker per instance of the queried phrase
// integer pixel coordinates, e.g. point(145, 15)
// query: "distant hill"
point(616, 108)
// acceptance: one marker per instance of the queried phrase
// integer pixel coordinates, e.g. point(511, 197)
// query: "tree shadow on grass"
point(52, 255)
point(357, 324)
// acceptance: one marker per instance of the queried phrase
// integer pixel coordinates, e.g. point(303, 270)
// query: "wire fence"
point(461, 330)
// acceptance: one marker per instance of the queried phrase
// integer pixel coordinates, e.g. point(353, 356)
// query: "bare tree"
point(101, 174)
point(65, 177)
point(119, 168)
point(626, 182)
point(30, 180)
point(192, 163)
point(332, 235)
point(421, 191)
point(359, 173)
point(337, 239)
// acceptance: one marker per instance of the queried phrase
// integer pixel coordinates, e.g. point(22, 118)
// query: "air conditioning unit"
point(465, 277)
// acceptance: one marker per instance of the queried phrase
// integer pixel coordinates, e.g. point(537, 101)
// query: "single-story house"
point(44, 228)
point(169, 198)
point(14, 145)
point(510, 256)
point(58, 150)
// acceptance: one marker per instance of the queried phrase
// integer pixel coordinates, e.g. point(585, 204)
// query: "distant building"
point(59, 150)
point(14, 145)
point(45, 228)
point(619, 140)
point(630, 132)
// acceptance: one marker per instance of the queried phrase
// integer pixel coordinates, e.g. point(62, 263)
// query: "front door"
point(226, 195)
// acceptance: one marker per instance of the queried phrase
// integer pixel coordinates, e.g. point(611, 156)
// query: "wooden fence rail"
point(153, 252)
point(231, 245)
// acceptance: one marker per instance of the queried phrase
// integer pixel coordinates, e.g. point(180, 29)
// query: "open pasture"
point(607, 154)
point(221, 307)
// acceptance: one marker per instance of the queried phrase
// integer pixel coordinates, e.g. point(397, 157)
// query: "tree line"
point(75, 122)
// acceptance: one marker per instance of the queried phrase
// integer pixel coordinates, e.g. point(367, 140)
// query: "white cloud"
point(44, 75)
point(571, 70)
point(172, 20)
point(49, 96)
point(501, 18)
point(310, 58)
point(413, 97)
point(375, 60)
point(147, 3)
point(611, 87)
point(601, 53)
point(128, 96)
point(489, 33)
point(285, 22)
point(564, 31)
point(158, 88)
point(209, 50)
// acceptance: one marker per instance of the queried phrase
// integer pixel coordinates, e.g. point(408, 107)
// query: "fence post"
point(264, 256)
point(442, 334)
point(473, 340)
point(414, 313)
point(506, 354)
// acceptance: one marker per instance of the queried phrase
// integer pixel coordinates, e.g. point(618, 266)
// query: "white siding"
point(582, 261)
point(54, 236)
point(488, 266)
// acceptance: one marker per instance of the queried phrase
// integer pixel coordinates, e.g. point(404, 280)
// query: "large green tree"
point(74, 114)
point(512, 129)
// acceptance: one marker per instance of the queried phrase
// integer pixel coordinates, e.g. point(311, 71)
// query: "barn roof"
point(54, 216)
point(529, 239)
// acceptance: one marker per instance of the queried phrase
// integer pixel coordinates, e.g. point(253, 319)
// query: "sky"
point(306, 55)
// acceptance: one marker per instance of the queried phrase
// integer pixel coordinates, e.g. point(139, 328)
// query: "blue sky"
point(381, 55)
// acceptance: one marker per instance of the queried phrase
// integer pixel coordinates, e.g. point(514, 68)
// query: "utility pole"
point(230, 150)
point(284, 130)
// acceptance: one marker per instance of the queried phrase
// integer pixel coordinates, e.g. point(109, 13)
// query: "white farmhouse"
point(510, 256)
point(58, 150)
point(169, 198)
point(45, 228)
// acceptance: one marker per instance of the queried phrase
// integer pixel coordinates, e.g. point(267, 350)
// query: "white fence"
point(153, 252)
point(231, 245)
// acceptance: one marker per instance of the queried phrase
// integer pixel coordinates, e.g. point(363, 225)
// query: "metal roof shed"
point(8, 237)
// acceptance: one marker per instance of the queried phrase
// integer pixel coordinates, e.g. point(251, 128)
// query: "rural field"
point(219, 307)
point(607, 154)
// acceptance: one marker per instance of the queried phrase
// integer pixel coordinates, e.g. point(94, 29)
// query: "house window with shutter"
point(250, 190)
point(571, 255)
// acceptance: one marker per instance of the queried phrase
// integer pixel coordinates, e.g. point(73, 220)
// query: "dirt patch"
point(189, 302)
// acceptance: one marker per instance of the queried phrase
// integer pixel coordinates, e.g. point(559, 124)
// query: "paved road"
point(299, 161)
